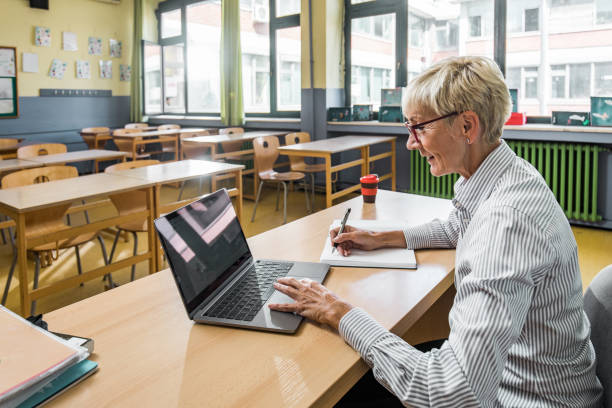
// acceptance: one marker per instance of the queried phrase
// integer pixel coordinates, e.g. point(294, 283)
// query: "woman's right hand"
point(353, 237)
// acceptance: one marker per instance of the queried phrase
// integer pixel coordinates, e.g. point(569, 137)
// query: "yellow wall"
point(83, 17)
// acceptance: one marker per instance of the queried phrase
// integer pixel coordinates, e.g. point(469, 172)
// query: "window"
point(183, 76)
point(372, 58)
point(416, 30)
point(603, 79)
point(475, 26)
point(580, 80)
point(604, 11)
point(532, 22)
point(203, 56)
point(531, 82)
point(559, 75)
point(446, 34)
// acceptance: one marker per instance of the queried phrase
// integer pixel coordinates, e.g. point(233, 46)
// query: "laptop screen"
point(204, 245)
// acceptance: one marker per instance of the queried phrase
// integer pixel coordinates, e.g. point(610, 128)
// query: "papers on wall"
point(7, 62)
point(57, 69)
point(115, 48)
point(94, 46)
point(379, 258)
point(83, 70)
point(6, 106)
point(6, 88)
point(106, 69)
point(29, 62)
point(42, 36)
point(125, 72)
point(70, 41)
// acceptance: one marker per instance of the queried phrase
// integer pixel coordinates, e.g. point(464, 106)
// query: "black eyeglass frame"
point(414, 128)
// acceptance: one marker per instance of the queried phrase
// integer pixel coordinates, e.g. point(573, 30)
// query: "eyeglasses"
point(419, 126)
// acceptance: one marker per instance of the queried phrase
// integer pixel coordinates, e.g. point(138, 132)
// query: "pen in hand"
point(342, 224)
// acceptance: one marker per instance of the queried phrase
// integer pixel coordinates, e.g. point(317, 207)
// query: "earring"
point(467, 139)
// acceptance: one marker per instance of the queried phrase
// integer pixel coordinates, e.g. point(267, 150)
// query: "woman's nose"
point(412, 143)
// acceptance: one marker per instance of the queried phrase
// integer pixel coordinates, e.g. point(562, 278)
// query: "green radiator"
point(570, 170)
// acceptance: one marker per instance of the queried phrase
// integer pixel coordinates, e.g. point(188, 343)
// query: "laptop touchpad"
point(279, 297)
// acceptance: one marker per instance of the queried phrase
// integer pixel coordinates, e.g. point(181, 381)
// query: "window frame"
point(276, 23)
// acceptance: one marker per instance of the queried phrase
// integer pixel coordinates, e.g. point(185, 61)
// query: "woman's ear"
point(470, 126)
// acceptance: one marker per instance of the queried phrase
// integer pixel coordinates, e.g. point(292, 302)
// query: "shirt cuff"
point(360, 330)
point(418, 237)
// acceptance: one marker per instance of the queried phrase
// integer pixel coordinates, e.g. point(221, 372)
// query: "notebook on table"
point(379, 258)
point(219, 280)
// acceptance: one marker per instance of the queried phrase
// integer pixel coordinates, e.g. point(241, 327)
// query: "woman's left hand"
point(312, 300)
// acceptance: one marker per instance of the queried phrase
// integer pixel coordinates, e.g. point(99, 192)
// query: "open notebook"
point(380, 258)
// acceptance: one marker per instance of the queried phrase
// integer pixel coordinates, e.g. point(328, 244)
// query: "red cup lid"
point(370, 178)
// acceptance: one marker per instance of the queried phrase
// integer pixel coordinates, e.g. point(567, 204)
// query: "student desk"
point(326, 147)
point(151, 354)
point(78, 156)
point(183, 170)
point(17, 202)
point(10, 165)
point(214, 141)
point(155, 136)
point(10, 151)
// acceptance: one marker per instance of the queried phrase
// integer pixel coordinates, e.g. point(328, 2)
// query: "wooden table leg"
point(365, 156)
point(328, 192)
point(239, 198)
point(22, 261)
point(153, 206)
point(393, 166)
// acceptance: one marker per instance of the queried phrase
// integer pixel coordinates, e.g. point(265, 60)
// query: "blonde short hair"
point(460, 84)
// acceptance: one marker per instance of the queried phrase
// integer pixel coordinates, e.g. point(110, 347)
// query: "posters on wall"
point(7, 62)
point(115, 48)
point(83, 70)
point(70, 41)
point(42, 36)
point(57, 69)
point(106, 69)
point(95, 46)
point(29, 62)
point(6, 88)
point(6, 106)
point(125, 72)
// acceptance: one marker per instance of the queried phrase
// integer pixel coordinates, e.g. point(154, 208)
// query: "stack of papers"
point(31, 358)
point(379, 258)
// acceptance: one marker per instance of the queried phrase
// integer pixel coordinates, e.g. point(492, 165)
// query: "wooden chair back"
point(130, 165)
point(126, 131)
point(295, 138)
point(4, 142)
point(193, 150)
point(231, 146)
point(266, 153)
point(136, 125)
point(168, 127)
point(46, 220)
point(125, 145)
point(93, 135)
point(41, 149)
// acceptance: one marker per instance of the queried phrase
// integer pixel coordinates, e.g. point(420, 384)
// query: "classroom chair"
point(8, 143)
point(598, 308)
point(96, 137)
point(128, 203)
point(298, 163)
point(40, 149)
point(229, 147)
point(46, 221)
point(168, 127)
point(169, 147)
point(136, 125)
point(266, 153)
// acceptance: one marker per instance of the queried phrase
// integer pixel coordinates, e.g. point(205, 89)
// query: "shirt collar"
point(469, 193)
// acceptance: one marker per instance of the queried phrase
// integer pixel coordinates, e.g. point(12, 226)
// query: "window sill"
point(215, 121)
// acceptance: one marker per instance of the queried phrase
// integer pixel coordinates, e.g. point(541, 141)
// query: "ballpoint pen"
point(342, 224)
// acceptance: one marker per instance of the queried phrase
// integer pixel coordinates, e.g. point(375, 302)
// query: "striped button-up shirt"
point(519, 336)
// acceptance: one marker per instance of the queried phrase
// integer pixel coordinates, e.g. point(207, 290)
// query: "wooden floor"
point(593, 249)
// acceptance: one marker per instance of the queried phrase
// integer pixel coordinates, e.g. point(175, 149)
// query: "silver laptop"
point(219, 281)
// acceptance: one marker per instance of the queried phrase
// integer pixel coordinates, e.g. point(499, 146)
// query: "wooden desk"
point(19, 201)
point(9, 165)
point(150, 354)
point(96, 140)
point(157, 136)
point(183, 170)
point(325, 148)
point(212, 142)
point(79, 156)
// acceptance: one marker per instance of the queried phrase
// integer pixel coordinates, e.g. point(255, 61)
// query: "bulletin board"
point(9, 100)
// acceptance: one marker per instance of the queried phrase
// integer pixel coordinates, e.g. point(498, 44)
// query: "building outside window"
point(475, 26)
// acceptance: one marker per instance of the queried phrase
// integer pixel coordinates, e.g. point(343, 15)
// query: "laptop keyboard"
point(249, 294)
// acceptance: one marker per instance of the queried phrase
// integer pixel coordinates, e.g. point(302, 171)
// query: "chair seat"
point(308, 168)
point(66, 243)
point(134, 226)
point(242, 157)
point(285, 176)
